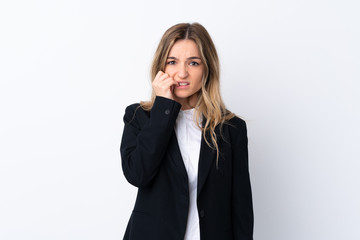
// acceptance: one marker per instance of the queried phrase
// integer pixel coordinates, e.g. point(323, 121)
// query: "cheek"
point(198, 80)
point(197, 86)
point(170, 70)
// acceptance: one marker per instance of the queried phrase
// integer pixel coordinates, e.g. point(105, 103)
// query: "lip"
point(184, 86)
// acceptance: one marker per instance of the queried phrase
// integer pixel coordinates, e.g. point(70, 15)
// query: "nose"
point(183, 73)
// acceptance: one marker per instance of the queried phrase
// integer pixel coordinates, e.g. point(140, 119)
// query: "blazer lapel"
point(206, 157)
point(174, 151)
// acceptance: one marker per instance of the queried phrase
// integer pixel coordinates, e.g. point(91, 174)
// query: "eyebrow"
point(187, 58)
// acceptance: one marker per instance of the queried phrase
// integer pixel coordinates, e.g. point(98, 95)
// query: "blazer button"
point(167, 111)
point(202, 213)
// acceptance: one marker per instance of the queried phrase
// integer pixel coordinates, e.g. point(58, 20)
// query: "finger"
point(163, 83)
point(164, 76)
point(158, 75)
point(175, 82)
point(170, 74)
point(170, 82)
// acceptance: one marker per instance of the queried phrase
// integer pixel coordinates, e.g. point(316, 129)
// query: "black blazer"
point(151, 160)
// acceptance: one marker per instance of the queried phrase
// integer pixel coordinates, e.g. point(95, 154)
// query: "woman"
point(186, 152)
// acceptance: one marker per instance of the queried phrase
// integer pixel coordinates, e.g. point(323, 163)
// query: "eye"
point(194, 64)
point(171, 62)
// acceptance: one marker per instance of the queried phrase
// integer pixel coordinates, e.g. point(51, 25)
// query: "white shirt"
point(189, 138)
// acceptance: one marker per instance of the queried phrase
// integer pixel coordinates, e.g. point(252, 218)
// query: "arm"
point(242, 218)
point(142, 150)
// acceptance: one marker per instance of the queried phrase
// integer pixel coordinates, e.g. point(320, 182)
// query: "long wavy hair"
point(210, 104)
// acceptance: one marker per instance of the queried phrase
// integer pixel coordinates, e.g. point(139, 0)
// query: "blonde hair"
point(209, 104)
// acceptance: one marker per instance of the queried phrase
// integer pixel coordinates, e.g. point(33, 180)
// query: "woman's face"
point(185, 66)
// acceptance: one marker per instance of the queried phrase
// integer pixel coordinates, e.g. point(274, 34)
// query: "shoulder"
point(132, 112)
point(236, 122)
point(236, 127)
point(132, 108)
point(237, 131)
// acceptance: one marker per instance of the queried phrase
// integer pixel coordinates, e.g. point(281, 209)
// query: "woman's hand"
point(163, 85)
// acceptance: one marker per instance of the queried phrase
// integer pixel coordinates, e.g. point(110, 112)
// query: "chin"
point(182, 96)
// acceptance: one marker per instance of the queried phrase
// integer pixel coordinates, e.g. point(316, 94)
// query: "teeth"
point(183, 84)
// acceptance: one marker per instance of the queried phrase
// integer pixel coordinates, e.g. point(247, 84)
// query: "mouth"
point(182, 84)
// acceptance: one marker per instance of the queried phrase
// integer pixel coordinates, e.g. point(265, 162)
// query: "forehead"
point(186, 48)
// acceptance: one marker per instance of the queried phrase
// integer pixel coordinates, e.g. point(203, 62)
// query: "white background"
point(69, 68)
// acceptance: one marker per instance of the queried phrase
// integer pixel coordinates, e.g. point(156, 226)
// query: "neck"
point(187, 103)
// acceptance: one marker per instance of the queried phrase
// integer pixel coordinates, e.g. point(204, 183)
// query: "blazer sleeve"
point(243, 217)
point(143, 147)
